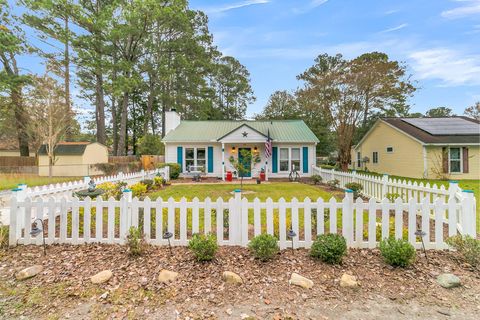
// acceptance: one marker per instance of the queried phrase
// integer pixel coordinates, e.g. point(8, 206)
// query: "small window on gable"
point(375, 157)
point(389, 149)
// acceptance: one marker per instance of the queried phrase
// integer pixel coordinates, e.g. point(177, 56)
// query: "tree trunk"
point(20, 122)
point(148, 113)
point(100, 108)
point(66, 62)
point(123, 126)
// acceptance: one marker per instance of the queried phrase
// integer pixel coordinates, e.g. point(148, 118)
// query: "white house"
point(208, 145)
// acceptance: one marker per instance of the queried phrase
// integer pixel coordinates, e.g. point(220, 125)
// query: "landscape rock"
point(300, 281)
point(448, 280)
point(167, 276)
point(29, 272)
point(102, 277)
point(231, 277)
point(348, 281)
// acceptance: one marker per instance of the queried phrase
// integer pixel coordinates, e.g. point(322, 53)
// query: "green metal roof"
point(212, 130)
point(64, 149)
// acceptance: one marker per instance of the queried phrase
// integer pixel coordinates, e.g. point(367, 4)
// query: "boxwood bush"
point(264, 246)
point(355, 187)
point(329, 248)
point(203, 246)
point(397, 252)
point(174, 169)
point(468, 247)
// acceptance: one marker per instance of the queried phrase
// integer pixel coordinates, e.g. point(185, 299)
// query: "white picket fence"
point(68, 188)
point(77, 221)
point(378, 187)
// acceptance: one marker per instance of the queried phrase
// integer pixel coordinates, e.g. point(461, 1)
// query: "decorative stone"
point(348, 281)
point(102, 277)
point(448, 280)
point(231, 277)
point(29, 272)
point(167, 276)
point(300, 281)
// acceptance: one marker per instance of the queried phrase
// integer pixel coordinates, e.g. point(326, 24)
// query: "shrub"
point(148, 183)
point(203, 246)
point(397, 252)
point(107, 168)
point(329, 248)
point(135, 241)
point(316, 179)
point(134, 166)
point(393, 196)
point(110, 190)
point(355, 187)
point(174, 169)
point(138, 189)
point(264, 246)
point(333, 183)
point(327, 166)
point(468, 247)
point(158, 181)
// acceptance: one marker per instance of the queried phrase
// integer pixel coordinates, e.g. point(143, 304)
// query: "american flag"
point(268, 146)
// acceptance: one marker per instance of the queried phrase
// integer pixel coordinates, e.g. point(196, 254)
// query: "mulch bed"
point(133, 290)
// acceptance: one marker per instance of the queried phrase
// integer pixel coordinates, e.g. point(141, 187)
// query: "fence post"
point(127, 195)
point(347, 217)
point(86, 180)
point(333, 174)
point(167, 173)
point(143, 174)
point(452, 188)
point(469, 214)
point(384, 185)
point(237, 237)
point(354, 176)
point(17, 214)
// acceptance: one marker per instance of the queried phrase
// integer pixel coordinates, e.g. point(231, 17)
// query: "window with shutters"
point(290, 157)
point(455, 160)
point(195, 157)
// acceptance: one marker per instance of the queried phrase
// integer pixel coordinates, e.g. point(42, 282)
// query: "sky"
point(439, 41)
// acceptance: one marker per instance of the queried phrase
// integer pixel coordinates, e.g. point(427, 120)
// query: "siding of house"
point(171, 156)
point(434, 163)
point(405, 160)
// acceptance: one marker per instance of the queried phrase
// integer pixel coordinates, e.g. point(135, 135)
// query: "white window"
point(195, 157)
point(375, 157)
point(389, 149)
point(290, 157)
point(455, 160)
point(295, 158)
point(284, 159)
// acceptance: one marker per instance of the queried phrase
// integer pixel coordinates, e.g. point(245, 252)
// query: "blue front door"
point(247, 162)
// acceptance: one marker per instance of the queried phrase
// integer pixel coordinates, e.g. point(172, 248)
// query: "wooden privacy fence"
point(379, 187)
point(237, 220)
point(9, 161)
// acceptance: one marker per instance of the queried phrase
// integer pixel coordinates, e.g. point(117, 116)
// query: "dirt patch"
point(64, 287)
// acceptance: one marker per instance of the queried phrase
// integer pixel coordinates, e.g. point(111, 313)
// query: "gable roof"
point(213, 130)
point(440, 130)
point(66, 148)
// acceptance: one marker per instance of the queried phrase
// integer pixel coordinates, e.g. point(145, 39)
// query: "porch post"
point(223, 161)
point(266, 170)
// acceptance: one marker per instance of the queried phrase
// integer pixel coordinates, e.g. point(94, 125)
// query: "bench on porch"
point(196, 172)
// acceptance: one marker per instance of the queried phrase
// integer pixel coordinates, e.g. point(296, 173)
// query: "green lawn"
point(11, 180)
point(274, 190)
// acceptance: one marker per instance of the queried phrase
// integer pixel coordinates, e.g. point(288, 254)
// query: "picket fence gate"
point(237, 220)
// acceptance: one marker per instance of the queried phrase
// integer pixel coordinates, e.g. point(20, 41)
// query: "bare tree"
point(49, 114)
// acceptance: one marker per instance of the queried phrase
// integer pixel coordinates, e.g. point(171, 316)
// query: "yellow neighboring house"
point(73, 159)
point(433, 148)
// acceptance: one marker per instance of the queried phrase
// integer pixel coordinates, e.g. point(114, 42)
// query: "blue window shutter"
point(274, 159)
point(305, 159)
point(180, 157)
point(210, 159)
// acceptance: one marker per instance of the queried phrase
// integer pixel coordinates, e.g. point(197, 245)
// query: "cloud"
point(452, 67)
point(469, 7)
point(310, 6)
point(233, 6)
point(403, 25)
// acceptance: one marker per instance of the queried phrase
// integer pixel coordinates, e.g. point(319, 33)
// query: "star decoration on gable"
point(244, 134)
